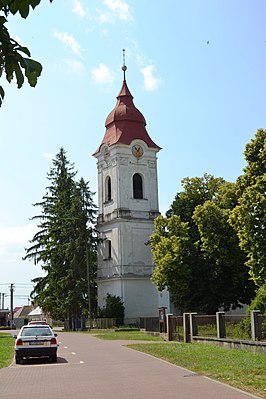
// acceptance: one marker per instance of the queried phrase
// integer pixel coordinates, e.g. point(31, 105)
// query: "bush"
point(114, 308)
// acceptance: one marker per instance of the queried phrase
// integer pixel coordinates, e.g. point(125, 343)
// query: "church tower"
point(128, 205)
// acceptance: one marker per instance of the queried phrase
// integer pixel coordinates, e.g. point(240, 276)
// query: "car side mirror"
point(55, 335)
point(15, 336)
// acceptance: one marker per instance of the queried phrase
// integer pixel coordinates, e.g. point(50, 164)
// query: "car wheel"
point(54, 358)
point(18, 360)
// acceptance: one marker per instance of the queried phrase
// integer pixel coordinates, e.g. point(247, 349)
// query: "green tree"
point(173, 255)
point(196, 251)
point(14, 58)
point(114, 308)
point(259, 302)
point(228, 275)
point(249, 216)
point(65, 245)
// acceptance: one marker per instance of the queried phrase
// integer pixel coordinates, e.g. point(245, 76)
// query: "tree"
point(249, 216)
point(12, 54)
point(196, 252)
point(114, 308)
point(259, 302)
point(229, 279)
point(173, 255)
point(64, 244)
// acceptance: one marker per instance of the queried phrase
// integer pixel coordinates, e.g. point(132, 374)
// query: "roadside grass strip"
point(127, 335)
point(6, 349)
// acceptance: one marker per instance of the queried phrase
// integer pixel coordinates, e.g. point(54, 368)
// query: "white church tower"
point(128, 205)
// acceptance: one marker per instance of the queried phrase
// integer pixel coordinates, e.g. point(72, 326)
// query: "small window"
point(137, 186)
point(108, 249)
point(108, 189)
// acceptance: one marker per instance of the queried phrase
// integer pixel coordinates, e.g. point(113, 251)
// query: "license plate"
point(36, 343)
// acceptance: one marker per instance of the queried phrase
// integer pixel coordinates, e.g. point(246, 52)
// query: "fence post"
point(193, 325)
point(162, 319)
point(220, 325)
point(256, 332)
point(186, 326)
point(169, 327)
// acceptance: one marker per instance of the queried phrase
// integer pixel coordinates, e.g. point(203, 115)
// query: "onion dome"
point(125, 122)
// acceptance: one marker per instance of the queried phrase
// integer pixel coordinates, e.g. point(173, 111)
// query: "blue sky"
point(196, 69)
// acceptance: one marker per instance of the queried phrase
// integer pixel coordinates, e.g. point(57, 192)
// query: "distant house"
point(22, 312)
point(21, 315)
point(38, 314)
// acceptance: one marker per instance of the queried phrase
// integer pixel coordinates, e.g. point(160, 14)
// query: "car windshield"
point(33, 331)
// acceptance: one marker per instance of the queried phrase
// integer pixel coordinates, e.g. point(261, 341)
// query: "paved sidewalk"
point(91, 368)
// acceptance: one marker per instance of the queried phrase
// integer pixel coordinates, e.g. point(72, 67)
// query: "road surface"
point(92, 368)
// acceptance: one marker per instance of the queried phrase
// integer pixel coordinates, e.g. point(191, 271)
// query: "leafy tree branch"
point(15, 60)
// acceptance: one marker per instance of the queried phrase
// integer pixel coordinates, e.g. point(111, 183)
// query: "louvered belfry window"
point(137, 186)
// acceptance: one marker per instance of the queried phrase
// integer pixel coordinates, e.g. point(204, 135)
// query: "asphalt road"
point(91, 368)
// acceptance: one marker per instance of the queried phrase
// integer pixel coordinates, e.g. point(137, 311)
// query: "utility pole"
point(88, 282)
point(87, 260)
point(11, 303)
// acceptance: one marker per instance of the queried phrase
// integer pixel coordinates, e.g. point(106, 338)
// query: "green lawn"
point(6, 349)
point(241, 369)
point(126, 335)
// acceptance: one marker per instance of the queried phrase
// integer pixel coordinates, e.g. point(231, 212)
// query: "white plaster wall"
point(127, 274)
point(112, 287)
point(141, 298)
point(121, 166)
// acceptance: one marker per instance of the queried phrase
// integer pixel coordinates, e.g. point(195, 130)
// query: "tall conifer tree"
point(65, 245)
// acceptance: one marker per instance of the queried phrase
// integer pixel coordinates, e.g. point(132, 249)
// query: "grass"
point(6, 349)
point(126, 335)
point(239, 368)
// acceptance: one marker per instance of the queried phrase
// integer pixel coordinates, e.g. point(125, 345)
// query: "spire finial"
point(124, 68)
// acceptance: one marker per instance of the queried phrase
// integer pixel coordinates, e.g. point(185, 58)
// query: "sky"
point(196, 69)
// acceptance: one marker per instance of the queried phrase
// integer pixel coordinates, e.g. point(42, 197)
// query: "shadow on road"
point(42, 361)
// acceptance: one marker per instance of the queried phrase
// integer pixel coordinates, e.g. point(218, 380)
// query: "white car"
point(36, 341)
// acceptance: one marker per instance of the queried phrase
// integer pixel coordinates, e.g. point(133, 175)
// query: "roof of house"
point(36, 312)
point(23, 311)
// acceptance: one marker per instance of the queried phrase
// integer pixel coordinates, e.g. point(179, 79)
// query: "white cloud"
point(48, 155)
point(102, 75)
point(120, 8)
point(117, 9)
point(79, 9)
point(150, 81)
point(105, 17)
point(69, 41)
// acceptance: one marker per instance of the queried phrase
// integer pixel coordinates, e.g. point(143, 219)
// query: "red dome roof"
point(125, 122)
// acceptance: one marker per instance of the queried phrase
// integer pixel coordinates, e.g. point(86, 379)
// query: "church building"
point(128, 205)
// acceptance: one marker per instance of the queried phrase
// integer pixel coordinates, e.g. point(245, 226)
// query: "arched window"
point(108, 189)
point(137, 186)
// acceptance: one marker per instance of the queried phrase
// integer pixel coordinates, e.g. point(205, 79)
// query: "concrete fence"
point(213, 330)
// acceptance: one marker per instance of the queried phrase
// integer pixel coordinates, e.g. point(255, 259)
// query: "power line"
point(27, 284)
